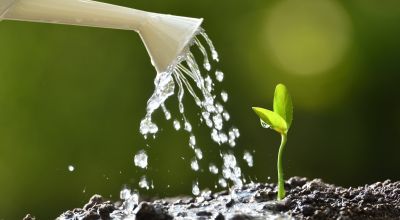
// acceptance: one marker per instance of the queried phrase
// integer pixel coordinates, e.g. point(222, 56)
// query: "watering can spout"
point(165, 36)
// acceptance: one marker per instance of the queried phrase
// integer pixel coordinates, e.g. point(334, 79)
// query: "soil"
point(305, 199)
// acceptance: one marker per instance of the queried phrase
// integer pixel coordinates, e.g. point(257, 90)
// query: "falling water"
point(180, 77)
point(182, 74)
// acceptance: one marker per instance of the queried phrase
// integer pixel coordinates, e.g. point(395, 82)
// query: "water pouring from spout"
point(168, 40)
point(165, 36)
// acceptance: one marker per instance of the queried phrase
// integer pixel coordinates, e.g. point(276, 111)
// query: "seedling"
point(279, 120)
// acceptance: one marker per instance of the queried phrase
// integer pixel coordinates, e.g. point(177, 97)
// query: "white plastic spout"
point(165, 36)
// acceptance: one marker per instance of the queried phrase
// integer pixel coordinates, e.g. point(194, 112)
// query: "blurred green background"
point(76, 95)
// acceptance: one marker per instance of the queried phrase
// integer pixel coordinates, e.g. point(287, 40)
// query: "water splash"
point(231, 170)
point(126, 211)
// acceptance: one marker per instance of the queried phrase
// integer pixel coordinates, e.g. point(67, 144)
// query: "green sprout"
point(279, 120)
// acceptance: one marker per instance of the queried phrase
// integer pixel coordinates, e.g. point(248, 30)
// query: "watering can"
point(165, 36)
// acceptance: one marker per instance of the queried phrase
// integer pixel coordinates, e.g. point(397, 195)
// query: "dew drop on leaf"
point(263, 124)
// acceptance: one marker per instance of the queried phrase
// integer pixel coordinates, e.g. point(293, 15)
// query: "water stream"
point(186, 75)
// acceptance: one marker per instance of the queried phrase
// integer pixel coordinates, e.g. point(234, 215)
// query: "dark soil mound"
point(304, 200)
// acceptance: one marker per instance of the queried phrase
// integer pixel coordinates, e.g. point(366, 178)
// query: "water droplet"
point(209, 123)
point(192, 140)
point(181, 108)
point(188, 126)
point(215, 136)
point(232, 135)
point(263, 124)
point(177, 125)
point(147, 126)
point(232, 143)
point(166, 112)
point(219, 75)
point(248, 158)
point(143, 183)
point(229, 160)
point(207, 66)
point(218, 123)
point(208, 83)
point(199, 153)
point(71, 168)
point(236, 131)
point(195, 189)
point(222, 137)
point(222, 182)
point(219, 108)
point(194, 164)
point(206, 115)
point(224, 96)
point(214, 55)
point(140, 159)
point(226, 116)
point(213, 169)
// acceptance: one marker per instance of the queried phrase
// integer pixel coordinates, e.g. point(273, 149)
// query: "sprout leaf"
point(271, 118)
point(283, 104)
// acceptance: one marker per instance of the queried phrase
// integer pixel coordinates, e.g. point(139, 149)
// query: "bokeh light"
point(307, 37)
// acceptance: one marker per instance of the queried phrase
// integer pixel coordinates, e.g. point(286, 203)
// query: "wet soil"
point(305, 199)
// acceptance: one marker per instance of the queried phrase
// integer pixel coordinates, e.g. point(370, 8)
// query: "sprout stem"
point(281, 181)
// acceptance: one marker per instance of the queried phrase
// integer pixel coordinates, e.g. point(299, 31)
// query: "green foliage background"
point(75, 95)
